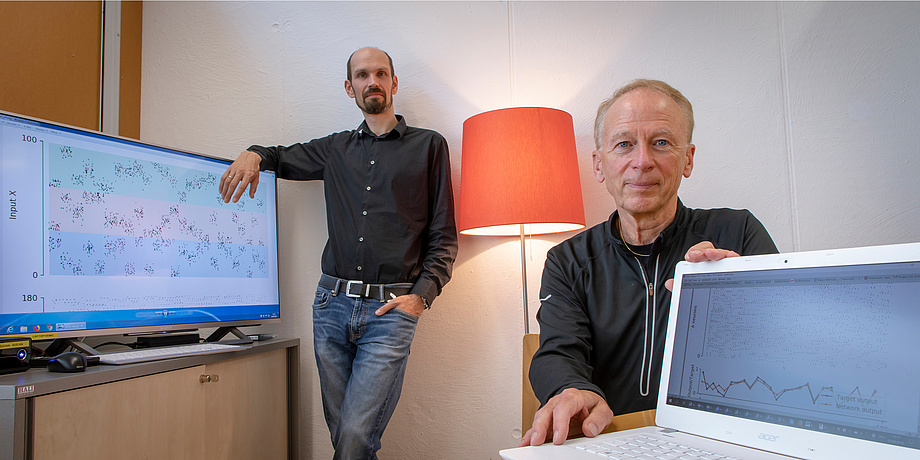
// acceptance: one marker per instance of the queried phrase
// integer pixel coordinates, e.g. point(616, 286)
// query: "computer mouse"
point(67, 362)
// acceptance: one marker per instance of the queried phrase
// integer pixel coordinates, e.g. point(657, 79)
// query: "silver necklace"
point(620, 229)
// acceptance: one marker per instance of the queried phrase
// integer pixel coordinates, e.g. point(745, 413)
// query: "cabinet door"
point(51, 60)
point(247, 407)
point(158, 416)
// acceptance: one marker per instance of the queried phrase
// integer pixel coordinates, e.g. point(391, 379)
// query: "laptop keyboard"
point(647, 447)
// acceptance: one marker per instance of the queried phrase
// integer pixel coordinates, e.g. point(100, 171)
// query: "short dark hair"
point(655, 85)
point(348, 64)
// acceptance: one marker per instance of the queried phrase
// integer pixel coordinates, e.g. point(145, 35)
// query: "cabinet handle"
point(205, 378)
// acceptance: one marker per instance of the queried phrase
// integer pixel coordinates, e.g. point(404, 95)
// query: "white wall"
point(806, 114)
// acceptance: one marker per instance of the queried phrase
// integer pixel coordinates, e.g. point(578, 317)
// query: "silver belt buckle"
point(348, 288)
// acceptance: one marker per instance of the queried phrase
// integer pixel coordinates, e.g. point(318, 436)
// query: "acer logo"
point(768, 437)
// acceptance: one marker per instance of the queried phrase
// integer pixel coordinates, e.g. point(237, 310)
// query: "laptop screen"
point(832, 349)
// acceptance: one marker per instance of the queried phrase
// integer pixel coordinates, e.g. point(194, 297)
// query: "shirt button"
point(359, 268)
point(361, 238)
point(373, 162)
point(363, 213)
point(368, 187)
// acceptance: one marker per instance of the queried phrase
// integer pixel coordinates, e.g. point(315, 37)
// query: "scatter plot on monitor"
point(112, 215)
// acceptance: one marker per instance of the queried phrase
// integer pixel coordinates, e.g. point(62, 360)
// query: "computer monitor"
point(103, 235)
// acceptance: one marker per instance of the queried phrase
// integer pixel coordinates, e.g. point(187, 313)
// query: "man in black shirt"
point(391, 247)
point(605, 292)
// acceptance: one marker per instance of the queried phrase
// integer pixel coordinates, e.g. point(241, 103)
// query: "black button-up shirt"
point(389, 203)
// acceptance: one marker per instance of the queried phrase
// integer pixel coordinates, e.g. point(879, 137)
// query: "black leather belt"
point(352, 288)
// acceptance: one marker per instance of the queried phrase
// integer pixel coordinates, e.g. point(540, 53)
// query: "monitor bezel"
point(153, 328)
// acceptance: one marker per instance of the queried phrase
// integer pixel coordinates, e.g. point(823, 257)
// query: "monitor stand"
point(219, 333)
point(58, 346)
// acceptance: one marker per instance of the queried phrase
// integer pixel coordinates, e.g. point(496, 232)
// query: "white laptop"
point(811, 355)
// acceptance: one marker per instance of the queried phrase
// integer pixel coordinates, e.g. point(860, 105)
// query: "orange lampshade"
point(519, 166)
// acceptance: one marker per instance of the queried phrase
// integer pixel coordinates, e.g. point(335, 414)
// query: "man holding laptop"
point(604, 306)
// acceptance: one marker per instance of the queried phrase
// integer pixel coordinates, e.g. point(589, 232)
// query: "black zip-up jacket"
point(604, 311)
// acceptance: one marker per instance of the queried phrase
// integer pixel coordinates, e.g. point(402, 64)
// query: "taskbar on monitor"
point(45, 323)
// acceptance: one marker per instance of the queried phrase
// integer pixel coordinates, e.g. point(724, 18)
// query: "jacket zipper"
point(645, 374)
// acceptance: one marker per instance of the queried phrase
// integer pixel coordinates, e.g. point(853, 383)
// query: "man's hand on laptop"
point(704, 251)
point(584, 409)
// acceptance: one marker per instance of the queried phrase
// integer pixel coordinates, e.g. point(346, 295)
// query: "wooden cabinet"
point(240, 406)
point(249, 404)
point(157, 416)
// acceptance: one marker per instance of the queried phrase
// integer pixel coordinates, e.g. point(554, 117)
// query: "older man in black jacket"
point(604, 305)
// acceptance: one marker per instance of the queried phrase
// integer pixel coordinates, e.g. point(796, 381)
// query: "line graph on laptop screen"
point(827, 349)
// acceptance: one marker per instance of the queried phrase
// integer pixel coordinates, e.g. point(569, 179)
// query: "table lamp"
point(519, 176)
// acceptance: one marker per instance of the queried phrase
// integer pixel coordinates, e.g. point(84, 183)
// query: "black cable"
point(132, 345)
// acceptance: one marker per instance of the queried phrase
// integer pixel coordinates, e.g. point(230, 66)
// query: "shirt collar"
point(394, 133)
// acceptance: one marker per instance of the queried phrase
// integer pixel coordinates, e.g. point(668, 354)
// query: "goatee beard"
point(373, 106)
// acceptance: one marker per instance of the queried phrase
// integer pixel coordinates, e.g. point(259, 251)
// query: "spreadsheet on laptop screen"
point(829, 349)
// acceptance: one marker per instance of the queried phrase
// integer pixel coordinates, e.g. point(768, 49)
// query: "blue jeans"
point(361, 358)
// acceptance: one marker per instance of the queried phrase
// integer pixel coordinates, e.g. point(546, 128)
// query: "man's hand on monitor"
point(584, 409)
point(702, 252)
point(242, 173)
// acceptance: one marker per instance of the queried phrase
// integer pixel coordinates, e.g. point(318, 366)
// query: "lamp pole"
point(524, 278)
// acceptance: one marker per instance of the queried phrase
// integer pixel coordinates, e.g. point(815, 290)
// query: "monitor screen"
point(103, 235)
